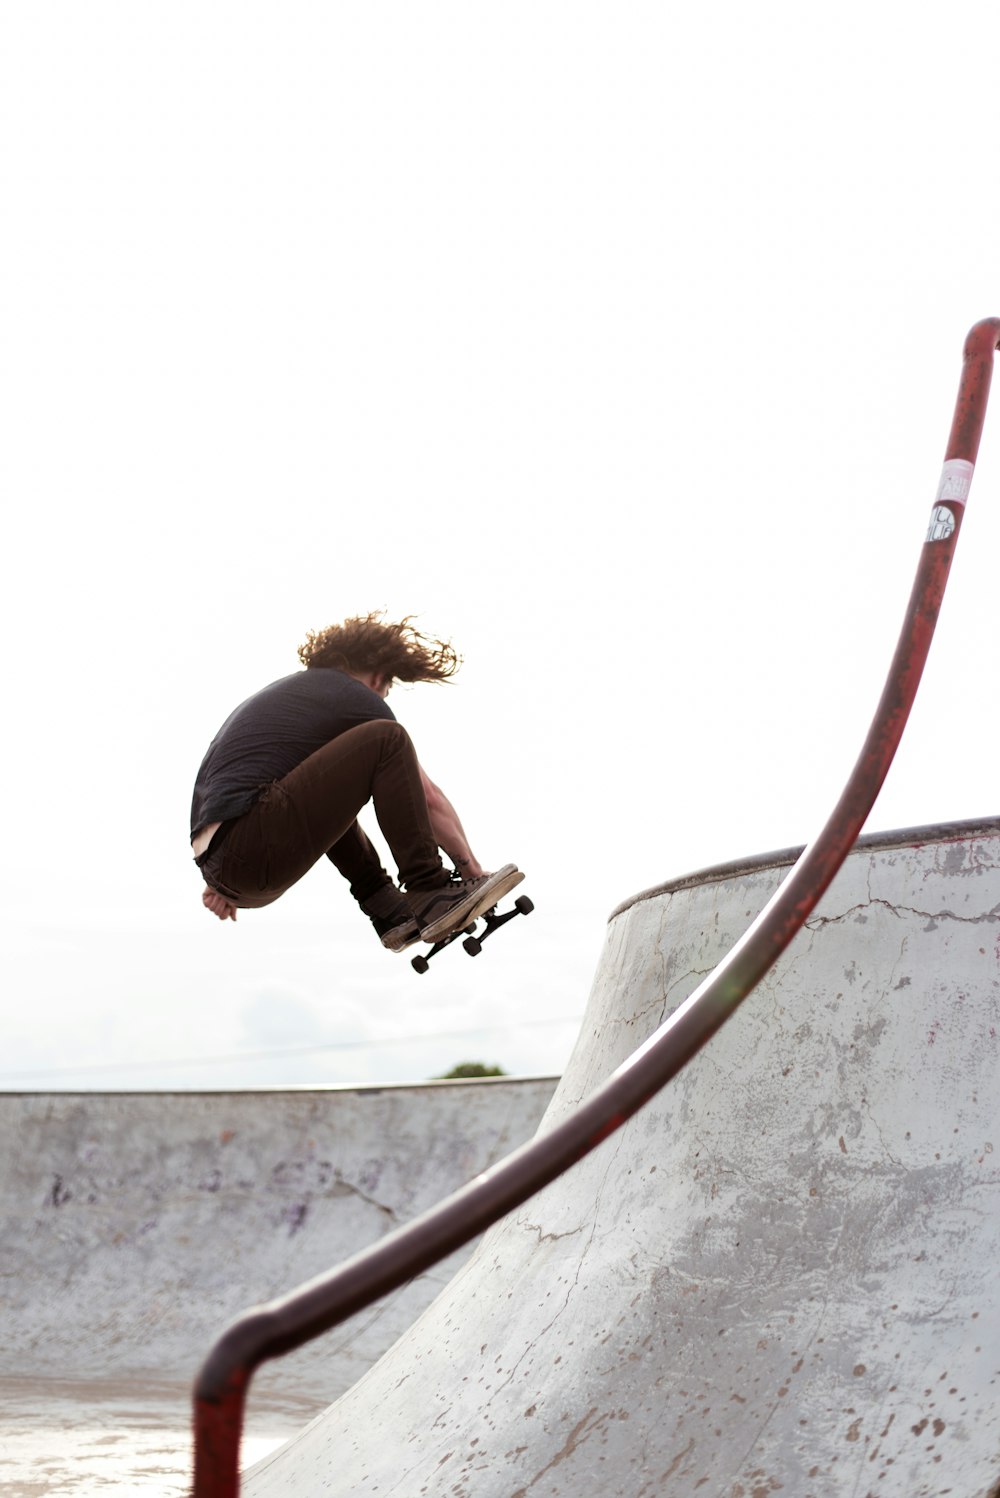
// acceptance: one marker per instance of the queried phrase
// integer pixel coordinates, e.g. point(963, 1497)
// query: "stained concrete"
point(134, 1227)
point(781, 1276)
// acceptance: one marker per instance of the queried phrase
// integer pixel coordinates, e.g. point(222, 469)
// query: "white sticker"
point(942, 523)
point(956, 478)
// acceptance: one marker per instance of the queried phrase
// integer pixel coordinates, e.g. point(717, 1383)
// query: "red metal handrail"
point(276, 1328)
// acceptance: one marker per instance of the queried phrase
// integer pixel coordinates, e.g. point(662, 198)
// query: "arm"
point(448, 830)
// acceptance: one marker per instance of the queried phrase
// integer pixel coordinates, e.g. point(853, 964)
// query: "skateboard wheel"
point(419, 964)
point(524, 905)
point(472, 946)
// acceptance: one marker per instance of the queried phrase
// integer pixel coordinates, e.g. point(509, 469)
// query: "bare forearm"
point(450, 835)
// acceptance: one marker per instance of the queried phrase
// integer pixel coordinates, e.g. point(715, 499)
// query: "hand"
point(218, 904)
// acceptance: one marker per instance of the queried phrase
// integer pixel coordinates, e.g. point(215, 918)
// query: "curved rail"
point(278, 1327)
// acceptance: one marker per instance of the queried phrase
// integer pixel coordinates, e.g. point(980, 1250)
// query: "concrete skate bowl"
point(779, 1276)
point(133, 1227)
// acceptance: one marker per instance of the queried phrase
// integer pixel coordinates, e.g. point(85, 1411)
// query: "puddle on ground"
point(65, 1439)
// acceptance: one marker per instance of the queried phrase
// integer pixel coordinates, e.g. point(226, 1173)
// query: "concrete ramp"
point(782, 1275)
point(134, 1227)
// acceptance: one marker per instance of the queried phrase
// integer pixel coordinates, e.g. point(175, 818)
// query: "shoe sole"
point(479, 901)
point(401, 937)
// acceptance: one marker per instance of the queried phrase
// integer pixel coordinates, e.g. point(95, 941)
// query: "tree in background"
point(470, 1069)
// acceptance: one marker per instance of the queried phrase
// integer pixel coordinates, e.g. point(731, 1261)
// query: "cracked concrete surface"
point(133, 1227)
point(781, 1275)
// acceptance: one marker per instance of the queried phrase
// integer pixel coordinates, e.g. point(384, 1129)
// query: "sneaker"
point(455, 905)
point(392, 918)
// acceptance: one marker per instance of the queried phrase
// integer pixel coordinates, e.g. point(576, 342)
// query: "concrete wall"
point(133, 1227)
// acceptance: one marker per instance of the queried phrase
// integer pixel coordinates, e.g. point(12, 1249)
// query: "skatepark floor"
point(70, 1438)
point(779, 1276)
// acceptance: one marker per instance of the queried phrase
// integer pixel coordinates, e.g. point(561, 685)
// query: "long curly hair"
point(396, 651)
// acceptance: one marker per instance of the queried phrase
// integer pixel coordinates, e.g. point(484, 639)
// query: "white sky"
point(619, 342)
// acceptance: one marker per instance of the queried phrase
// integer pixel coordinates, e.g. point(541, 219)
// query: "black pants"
point(313, 811)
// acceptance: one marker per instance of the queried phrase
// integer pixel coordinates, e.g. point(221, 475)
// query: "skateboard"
point(473, 944)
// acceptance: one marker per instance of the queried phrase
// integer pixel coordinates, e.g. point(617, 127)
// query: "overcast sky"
point(617, 342)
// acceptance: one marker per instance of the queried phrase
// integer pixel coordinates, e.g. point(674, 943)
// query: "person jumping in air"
point(288, 772)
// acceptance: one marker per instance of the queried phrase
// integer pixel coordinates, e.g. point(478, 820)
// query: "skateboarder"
point(288, 772)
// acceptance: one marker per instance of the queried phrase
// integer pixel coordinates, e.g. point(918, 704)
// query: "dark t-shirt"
point(272, 732)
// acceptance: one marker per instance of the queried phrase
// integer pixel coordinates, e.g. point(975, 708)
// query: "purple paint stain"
point(295, 1217)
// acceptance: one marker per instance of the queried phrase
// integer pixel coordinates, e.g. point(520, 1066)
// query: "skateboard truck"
point(473, 944)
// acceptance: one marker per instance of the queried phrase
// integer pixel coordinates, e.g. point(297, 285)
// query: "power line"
point(279, 1051)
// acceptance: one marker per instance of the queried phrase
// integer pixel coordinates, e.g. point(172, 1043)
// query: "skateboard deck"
point(473, 941)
